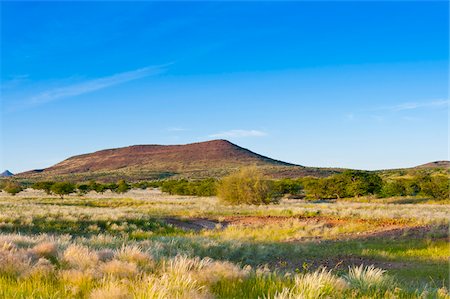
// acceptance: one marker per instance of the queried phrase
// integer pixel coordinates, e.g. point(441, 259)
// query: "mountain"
point(196, 160)
point(437, 164)
point(6, 173)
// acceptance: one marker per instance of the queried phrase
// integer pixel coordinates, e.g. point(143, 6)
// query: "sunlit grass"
point(114, 247)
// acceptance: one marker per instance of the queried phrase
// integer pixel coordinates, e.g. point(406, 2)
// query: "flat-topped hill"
point(202, 159)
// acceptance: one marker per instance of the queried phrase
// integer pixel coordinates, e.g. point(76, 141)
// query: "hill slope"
point(204, 159)
point(437, 164)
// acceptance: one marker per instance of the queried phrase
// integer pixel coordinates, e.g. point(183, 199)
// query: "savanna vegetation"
point(251, 186)
point(244, 236)
point(147, 244)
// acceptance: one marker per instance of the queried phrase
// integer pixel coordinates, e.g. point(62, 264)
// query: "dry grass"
point(109, 262)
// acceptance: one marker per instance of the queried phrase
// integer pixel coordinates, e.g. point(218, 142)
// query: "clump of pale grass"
point(80, 257)
point(215, 271)
point(182, 264)
point(13, 262)
point(170, 285)
point(112, 290)
point(47, 250)
point(318, 284)
point(134, 254)
point(42, 268)
point(77, 280)
point(366, 278)
point(119, 269)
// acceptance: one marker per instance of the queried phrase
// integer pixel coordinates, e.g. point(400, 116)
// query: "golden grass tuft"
point(80, 257)
point(134, 254)
point(13, 262)
point(119, 269)
point(42, 269)
point(47, 250)
point(215, 271)
point(111, 290)
point(318, 284)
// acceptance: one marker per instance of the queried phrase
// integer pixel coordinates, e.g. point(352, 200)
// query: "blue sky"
point(340, 84)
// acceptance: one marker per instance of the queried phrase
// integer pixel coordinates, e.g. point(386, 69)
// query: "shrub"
point(205, 187)
point(122, 187)
point(94, 186)
point(288, 186)
point(63, 188)
point(12, 187)
point(437, 186)
point(248, 186)
point(45, 186)
point(83, 189)
point(350, 183)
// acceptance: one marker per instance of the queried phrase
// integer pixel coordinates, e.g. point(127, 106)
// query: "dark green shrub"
point(83, 189)
point(63, 188)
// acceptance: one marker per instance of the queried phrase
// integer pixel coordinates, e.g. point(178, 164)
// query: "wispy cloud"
point(419, 105)
point(87, 86)
point(176, 129)
point(238, 134)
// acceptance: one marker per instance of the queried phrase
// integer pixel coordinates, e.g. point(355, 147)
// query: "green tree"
point(393, 188)
point(288, 186)
point(436, 187)
point(248, 186)
point(313, 187)
point(45, 186)
point(362, 182)
point(83, 189)
point(97, 187)
point(63, 188)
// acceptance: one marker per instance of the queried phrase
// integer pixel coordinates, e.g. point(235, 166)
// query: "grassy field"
point(145, 244)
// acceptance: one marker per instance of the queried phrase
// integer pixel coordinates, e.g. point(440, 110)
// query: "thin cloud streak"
point(417, 105)
point(91, 85)
point(176, 129)
point(238, 134)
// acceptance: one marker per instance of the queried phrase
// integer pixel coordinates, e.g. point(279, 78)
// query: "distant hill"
point(196, 160)
point(6, 173)
point(437, 164)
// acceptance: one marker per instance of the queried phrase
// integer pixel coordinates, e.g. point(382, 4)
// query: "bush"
point(350, 183)
point(122, 187)
point(437, 187)
point(94, 186)
point(83, 189)
point(12, 187)
point(63, 188)
point(288, 186)
point(205, 187)
point(248, 186)
point(45, 186)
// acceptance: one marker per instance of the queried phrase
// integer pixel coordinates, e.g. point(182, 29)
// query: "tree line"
point(250, 186)
point(66, 188)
